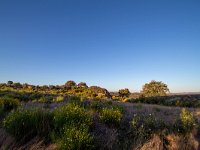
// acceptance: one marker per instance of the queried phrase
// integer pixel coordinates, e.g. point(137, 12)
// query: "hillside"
point(81, 117)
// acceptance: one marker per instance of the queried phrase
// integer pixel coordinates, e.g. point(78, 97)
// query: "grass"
point(84, 125)
point(110, 116)
point(24, 124)
point(7, 103)
point(71, 114)
point(181, 101)
point(76, 138)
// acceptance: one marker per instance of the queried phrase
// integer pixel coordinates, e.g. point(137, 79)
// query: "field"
point(92, 118)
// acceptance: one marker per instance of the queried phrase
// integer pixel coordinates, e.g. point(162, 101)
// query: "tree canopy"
point(70, 83)
point(154, 88)
point(124, 92)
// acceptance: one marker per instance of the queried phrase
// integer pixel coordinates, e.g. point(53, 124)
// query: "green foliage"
point(109, 102)
point(45, 99)
point(74, 100)
point(71, 114)
point(180, 101)
point(7, 104)
point(26, 92)
point(186, 123)
point(144, 126)
point(124, 92)
point(72, 124)
point(70, 84)
point(82, 84)
point(154, 88)
point(187, 118)
point(24, 124)
point(97, 105)
point(76, 138)
point(10, 82)
point(59, 99)
point(110, 116)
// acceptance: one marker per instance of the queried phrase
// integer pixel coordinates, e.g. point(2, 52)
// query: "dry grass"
point(8, 142)
point(107, 137)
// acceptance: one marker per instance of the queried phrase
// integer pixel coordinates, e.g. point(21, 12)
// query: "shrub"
point(72, 124)
point(8, 104)
point(145, 126)
point(109, 102)
point(75, 100)
point(96, 105)
point(45, 99)
point(76, 138)
point(186, 122)
point(59, 99)
point(24, 124)
point(110, 116)
point(187, 119)
point(71, 114)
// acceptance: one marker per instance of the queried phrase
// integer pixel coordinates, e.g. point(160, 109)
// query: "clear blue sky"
point(111, 43)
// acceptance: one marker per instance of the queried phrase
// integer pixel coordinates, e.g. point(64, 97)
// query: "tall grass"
point(25, 124)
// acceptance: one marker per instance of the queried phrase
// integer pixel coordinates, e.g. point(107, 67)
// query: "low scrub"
point(24, 124)
point(59, 99)
point(110, 116)
point(74, 100)
point(186, 123)
point(72, 123)
point(7, 104)
point(76, 138)
point(71, 114)
point(167, 101)
point(145, 126)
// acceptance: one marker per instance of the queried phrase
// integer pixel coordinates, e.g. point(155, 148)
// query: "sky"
point(110, 43)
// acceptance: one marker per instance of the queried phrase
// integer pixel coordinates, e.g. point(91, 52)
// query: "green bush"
point(110, 116)
point(24, 124)
point(186, 123)
point(96, 105)
point(45, 99)
point(74, 100)
point(71, 114)
point(144, 126)
point(59, 99)
point(76, 138)
point(187, 119)
point(72, 124)
point(7, 104)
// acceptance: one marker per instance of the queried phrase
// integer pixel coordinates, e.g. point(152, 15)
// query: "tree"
point(17, 85)
point(82, 84)
point(154, 88)
point(10, 82)
point(124, 92)
point(70, 84)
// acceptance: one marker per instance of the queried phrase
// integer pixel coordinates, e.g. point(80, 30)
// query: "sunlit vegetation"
point(7, 103)
point(75, 126)
point(154, 92)
point(110, 116)
point(24, 124)
point(75, 117)
point(26, 92)
point(154, 88)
